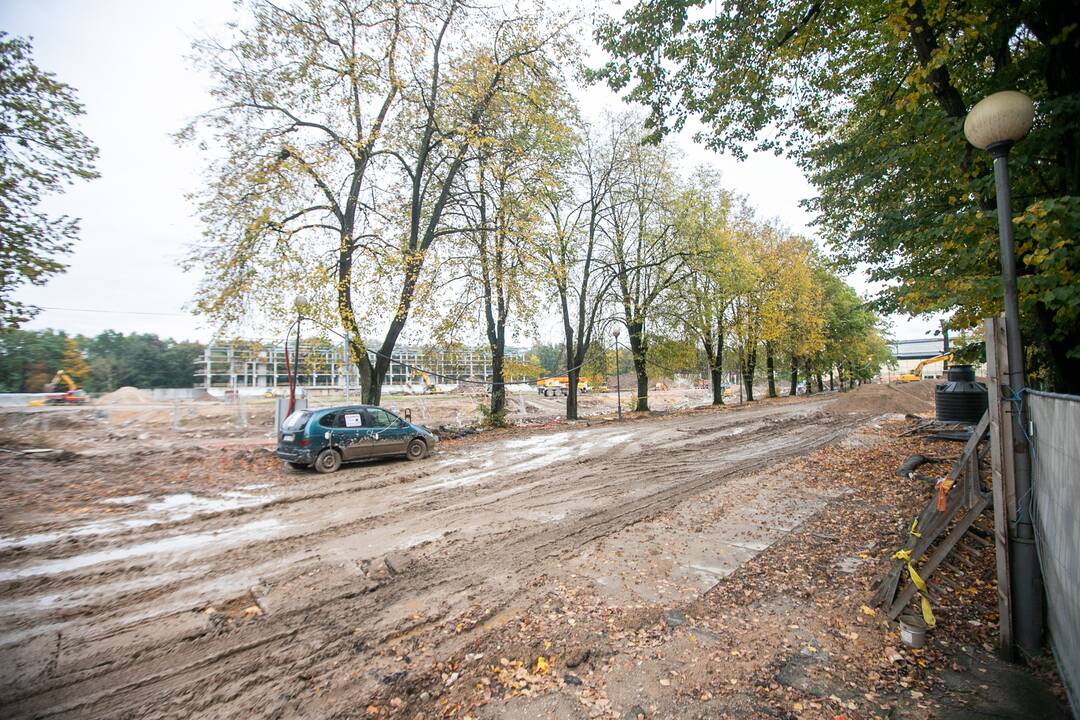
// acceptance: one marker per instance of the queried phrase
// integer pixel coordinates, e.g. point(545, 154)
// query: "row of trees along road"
point(423, 166)
point(870, 97)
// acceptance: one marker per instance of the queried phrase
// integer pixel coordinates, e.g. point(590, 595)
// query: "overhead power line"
point(113, 312)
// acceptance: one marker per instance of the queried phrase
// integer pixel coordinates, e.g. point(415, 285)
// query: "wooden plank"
point(931, 522)
point(1001, 460)
point(972, 481)
point(940, 553)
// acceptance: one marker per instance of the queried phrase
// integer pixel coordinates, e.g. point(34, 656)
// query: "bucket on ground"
point(912, 630)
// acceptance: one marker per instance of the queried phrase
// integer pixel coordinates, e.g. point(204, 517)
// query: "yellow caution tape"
point(927, 612)
point(913, 532)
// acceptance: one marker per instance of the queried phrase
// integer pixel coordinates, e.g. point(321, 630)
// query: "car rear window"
point(296, 421)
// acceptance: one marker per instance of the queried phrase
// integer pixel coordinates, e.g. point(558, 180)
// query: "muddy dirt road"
point(296, 595)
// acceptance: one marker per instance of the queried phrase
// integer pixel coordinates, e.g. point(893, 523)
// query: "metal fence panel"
point(1055, 420)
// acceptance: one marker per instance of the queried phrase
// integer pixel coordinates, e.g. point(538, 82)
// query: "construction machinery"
point(429, 387)
point(74, 395)
point(916, 374)
point(560, 385)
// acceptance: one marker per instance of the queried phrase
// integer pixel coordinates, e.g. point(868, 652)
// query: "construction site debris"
point(911, 464)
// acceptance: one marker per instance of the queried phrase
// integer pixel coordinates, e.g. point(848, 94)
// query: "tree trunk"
point(717, 370)
point(716, 378)
point(498, 383)
point(642, 387)
point(571, 393)
point(638, 349)
point(820, 383)
point(749, 366)
point(832, 383)
point(715, 355)
point(571, 355)
point(770, 367)
point(809, 378)
point(794, 389)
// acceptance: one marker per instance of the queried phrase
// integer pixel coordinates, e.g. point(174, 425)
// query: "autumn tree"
point(854, 343)
point(792, 311)
point(41, 154)
point(515, 150)
point(647, 257)
point(755, 241)
point(704, 220)
point(870, 98)
point(571, 252)
point(340, 132)
point(73, 361)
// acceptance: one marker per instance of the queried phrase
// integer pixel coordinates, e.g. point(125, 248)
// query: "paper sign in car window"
point(356, 420)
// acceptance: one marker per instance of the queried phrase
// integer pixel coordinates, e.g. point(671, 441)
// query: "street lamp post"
point(299, 303)
point(994, 124)
point(618, 379)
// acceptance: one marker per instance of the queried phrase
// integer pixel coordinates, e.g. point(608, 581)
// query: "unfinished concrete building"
point(258, 364)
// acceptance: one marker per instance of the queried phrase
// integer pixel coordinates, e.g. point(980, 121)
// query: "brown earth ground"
point(706, 563)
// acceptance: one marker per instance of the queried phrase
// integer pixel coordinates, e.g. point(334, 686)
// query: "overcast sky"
point(128, 61)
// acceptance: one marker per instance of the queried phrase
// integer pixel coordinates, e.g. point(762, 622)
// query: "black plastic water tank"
point(960, 398)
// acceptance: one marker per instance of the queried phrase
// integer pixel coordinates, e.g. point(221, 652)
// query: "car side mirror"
point(402, 423)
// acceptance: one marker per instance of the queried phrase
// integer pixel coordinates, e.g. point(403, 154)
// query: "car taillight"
point(305, 442)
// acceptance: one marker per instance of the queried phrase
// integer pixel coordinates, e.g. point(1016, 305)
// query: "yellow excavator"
point(75, 395)
point(916, 374)
point(429, 387)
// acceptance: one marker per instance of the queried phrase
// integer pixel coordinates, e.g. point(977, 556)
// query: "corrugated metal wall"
point(1056, 476)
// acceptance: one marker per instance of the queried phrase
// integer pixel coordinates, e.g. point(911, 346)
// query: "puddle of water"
point(94, 528)
point(179, 506)
point(182, 506)
point(176, 543)
point(544, 449)
point(455, 482)
point(538, 443)
point(124, 500)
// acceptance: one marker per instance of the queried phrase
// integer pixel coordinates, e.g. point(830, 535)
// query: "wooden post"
point(972, 481)
point(1001, 459)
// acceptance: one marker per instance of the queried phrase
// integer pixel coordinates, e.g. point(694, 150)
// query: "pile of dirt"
point(126, 395)
point(923, 389)
point(883, 399)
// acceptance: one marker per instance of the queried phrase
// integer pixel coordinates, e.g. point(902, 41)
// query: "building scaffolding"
point(259, 364)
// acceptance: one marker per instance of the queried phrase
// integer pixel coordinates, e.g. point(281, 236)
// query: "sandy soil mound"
point(126, 395)
point(882, 399)
point(923, 390)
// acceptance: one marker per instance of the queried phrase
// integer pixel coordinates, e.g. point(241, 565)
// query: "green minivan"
point(324, 438)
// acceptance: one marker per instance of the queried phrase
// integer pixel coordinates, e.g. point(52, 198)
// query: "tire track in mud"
point(198, 670)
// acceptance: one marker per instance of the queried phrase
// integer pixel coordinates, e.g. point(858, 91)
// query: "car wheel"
point(416, 450)
point(329, 461)
point(299, 466)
